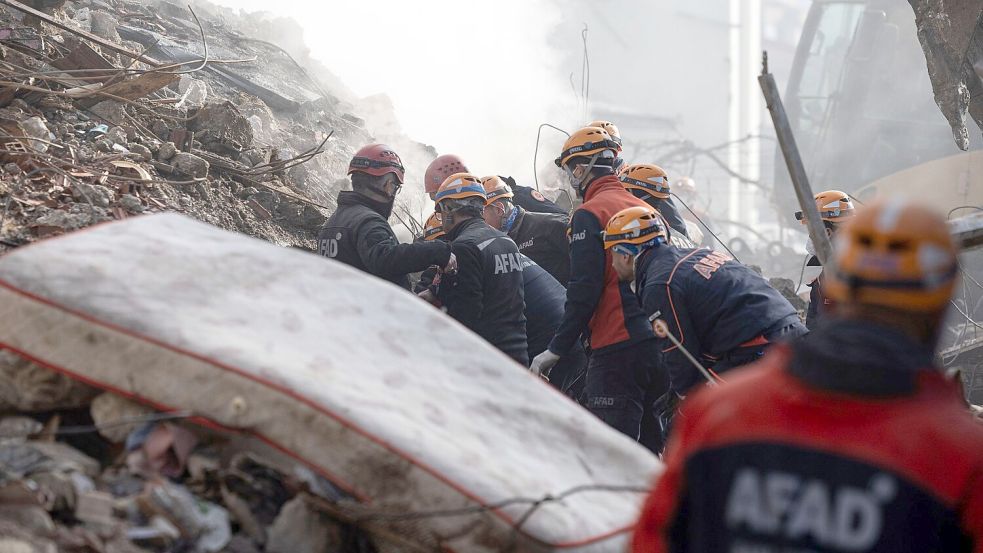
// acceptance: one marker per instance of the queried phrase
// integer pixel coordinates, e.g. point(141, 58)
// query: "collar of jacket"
point(860, 358)
point(349, 197)
point(605, 183)
point(516, 221)
point(452, 235)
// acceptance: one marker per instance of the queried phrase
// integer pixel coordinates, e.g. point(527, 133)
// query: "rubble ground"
point(114, 109)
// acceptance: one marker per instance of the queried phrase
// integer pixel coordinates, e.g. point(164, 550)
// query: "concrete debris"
point(166, 151)
point(55, 498)
point(190, 165)
point(258, 122)
point(131, 203)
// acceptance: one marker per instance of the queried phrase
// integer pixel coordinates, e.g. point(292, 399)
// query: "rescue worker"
point(721, 311)
point(544, 298)
point(623, 376)
point(540, 236)
point(438, 171)
point(850, 439)
point(485, 293)
point(834, 208)
point(651, 184)
point(358, 232)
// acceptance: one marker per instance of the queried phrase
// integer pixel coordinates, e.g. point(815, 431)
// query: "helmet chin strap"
point(578, 184)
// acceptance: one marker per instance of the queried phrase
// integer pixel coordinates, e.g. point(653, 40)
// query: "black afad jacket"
point(358, 234)
point(486, 294)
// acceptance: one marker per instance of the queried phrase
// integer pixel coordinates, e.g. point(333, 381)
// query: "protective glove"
point(542, 363)
point(451, 267)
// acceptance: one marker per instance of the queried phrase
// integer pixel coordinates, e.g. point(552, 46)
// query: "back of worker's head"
point(835, 208)
point(588, 154)
point(459, 198)
point(645, 180)
point(894, 264)
point(498, 201)
point(438, 171)
point(631, 232)
point(377, 172)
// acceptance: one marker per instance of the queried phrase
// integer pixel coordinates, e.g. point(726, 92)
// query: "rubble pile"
point(115, 476)
point(113, 108)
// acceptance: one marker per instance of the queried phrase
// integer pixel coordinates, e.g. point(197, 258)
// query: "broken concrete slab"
point(190, 165)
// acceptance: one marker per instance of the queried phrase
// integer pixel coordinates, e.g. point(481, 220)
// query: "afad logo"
point(784, 505)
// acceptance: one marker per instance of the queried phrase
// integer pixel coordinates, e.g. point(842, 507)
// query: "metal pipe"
point(793, 161)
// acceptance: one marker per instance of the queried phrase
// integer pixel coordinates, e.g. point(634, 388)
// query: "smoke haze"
point(474, 79)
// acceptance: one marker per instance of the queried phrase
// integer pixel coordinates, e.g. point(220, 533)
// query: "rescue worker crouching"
point(850, 439)
point(650, 183)
point(485, 292)
point(623, 375)
point(723, 313)
point(358, 232)
point(834, 208)
point(540, 236)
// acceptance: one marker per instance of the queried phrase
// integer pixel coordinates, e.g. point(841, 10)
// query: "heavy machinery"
point(868, 83)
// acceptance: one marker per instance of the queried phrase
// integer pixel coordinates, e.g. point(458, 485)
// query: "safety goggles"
point(824, 213)
point(626, 249)
point(366, 163)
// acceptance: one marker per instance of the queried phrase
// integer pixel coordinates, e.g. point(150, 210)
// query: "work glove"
point(451, 267)
point(542, 363)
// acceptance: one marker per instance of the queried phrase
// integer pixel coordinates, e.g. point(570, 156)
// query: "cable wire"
point(706, 227)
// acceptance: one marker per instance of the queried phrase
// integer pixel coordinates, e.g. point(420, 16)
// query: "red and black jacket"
point(595, 298)
point(801, 453)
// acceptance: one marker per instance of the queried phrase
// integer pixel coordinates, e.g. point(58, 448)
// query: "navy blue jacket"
point(711, 303)
point(486, 294)
point(544, 311)
point(667, 208)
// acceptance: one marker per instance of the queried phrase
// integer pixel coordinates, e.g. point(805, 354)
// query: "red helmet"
point(377, 160)
point(441, 168)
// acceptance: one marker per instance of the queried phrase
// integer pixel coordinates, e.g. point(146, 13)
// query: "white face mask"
point(810, 248)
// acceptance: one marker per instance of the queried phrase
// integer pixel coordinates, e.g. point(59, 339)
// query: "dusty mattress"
point(387, 397)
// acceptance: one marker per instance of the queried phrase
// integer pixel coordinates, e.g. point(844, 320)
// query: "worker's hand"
point(543, 362)
point(451, 266)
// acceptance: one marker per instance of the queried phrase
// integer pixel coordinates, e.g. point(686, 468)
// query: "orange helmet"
point(587, 142)
point(634, 229)
point(646, 177)
point(610, 127)
point(433, 228)
point(441, 168)
point(833, 206)
point(496, 189)
point(894, 254)
point(460, 186)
